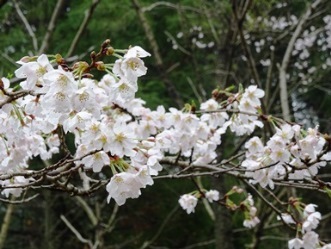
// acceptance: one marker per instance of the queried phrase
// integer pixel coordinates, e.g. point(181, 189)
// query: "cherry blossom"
point(188, 202)
point(123, 141)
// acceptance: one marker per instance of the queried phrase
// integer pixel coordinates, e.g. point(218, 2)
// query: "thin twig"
point(77, 234)
point(12, 201)
point(27, 25)
point(159, 231)
point(170, 5)
point(51, 26)
point(88, 210)
point(87, 17)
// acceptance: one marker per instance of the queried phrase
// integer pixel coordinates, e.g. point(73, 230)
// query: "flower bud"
point(27, 59)
point(100, 66)
point(215, 93)
point(93, 55)
point(59, 59)
point(110, 51)
point(81, 66)
point(105, 43)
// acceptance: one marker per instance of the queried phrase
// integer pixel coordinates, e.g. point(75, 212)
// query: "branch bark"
point(5, 224)
point(77, 233)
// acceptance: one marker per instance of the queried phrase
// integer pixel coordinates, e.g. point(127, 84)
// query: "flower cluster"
point(111, 127)
point(57, 97)
point(189, 201)
point(251, 219)
point(290, 153)
point(310, 221)
point(247, 118)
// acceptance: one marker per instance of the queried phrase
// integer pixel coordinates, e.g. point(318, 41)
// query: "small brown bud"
point(215, 93)
point(100, 66)
point(110, 51)
point(59, 59)
point(105, 43)
point(81, 65)
point(93, 55)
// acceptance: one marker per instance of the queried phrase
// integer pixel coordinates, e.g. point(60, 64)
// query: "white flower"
point(96, 161)
point(136, 51)
point(122, 140)
point(33, 72)
point(250, 223)
point(280, 155)
point(295, 243)
point(310, 240)
point(215, 119)
point(85, 99)
point(309, 209)
point(60, 80)
point(327, 156)
point(78, 120)
point(286, 132)
point(253, 94)
point(254, 145)
point(144, 177)
point(188, 202)
point(125, 89)
point(133, 67)
point(287, 218)
point(57, 102)
point(212, 195)
point(121, 187)
point(311, 222)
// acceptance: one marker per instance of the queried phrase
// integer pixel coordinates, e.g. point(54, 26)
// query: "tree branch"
point(286, 59)
point(87, 17)
point(77, 234)
point(6, 223)
point(27, 25)
point(51, 26)
point(88, 210)
point(172, 92)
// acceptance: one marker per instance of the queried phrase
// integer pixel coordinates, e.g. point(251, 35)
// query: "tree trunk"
point(5, 225)
point(223, 221)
